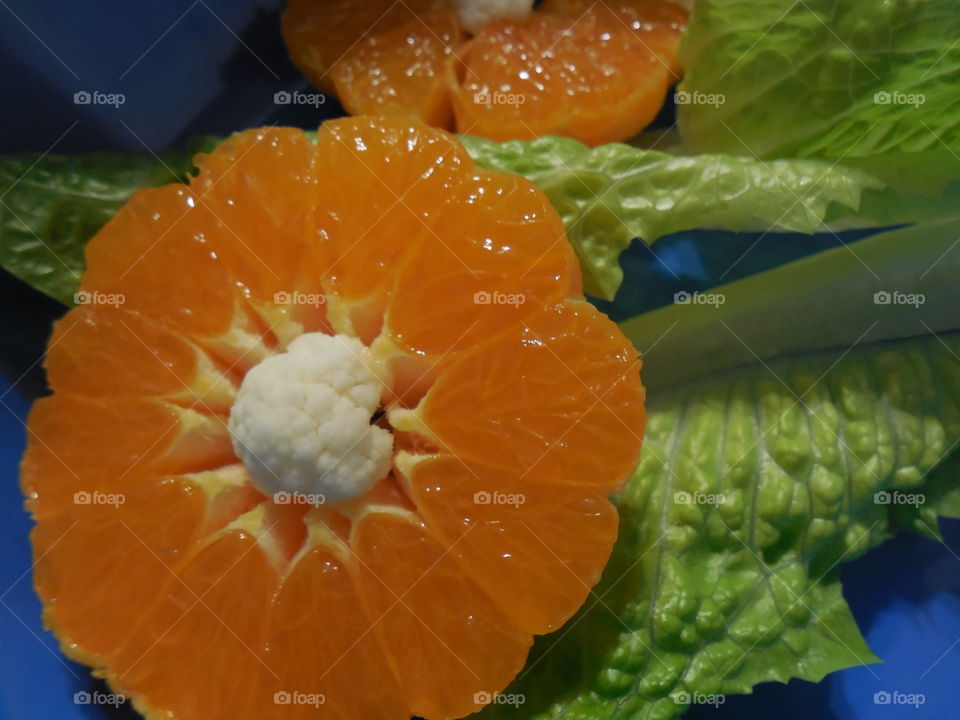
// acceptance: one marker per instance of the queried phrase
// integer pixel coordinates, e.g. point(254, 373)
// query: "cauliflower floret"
point(301, 421)
point(475, 14)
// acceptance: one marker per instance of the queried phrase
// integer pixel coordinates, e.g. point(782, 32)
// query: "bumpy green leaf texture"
point(754, 487)
point(759, 478)
point(821, 78)
point(613, 193)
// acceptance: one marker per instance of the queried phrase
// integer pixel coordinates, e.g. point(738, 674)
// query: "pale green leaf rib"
point(824, 300)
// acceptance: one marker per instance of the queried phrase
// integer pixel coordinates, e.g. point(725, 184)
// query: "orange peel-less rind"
point(515, 409)
point(596, 72)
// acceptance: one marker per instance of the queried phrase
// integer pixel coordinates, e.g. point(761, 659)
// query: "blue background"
point(212, 66)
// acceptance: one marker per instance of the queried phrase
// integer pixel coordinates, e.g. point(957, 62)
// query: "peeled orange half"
point(332, 436)
point(594, 71)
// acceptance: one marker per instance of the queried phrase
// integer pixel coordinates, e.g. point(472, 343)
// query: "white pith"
point(475, 14)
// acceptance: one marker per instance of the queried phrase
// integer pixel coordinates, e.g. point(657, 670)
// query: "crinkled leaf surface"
point(821, 78)
point(613, 193)
point(760, 476)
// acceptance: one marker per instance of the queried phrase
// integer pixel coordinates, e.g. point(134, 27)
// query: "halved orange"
point(515, 409)
point(594, 71)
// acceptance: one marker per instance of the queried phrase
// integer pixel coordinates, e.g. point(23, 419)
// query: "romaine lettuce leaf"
point(613, 193)
point(820, 78)
point(759, 477)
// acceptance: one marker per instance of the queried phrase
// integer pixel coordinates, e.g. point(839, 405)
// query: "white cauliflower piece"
point(475, 14)
point(301, 421)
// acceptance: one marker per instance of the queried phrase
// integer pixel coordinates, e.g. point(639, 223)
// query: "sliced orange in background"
point(597, 72)
point(201, 592)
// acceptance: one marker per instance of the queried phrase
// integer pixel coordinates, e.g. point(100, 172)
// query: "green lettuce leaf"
point(822, 78)
point(607, 196)
point(760, 475)
point(611, 194)
point(51, 205)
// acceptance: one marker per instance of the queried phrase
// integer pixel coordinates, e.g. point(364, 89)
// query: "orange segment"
point(155, 257)
point(133, 545)
point(653, 23)
point(404, 572)
point(215, 615)
point(154, 252)
point(320, 33)
point(597, 82)
point(554, 399)
point(410, 62)
point(503, 84)
point(379, 180)
point(259, 186)
point(321, 644)
point(79, 445)
point(495, 252)
point(109, 351)
point(597, 72)
point(509, 533)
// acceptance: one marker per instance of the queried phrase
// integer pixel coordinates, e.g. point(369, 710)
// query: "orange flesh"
point(197, 595)
point(597, 72)
point(416, 51)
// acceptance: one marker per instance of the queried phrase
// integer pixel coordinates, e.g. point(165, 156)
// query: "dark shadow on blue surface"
point(698, 260)
point(24, 332)
point(102, 704)
point(246, 82)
